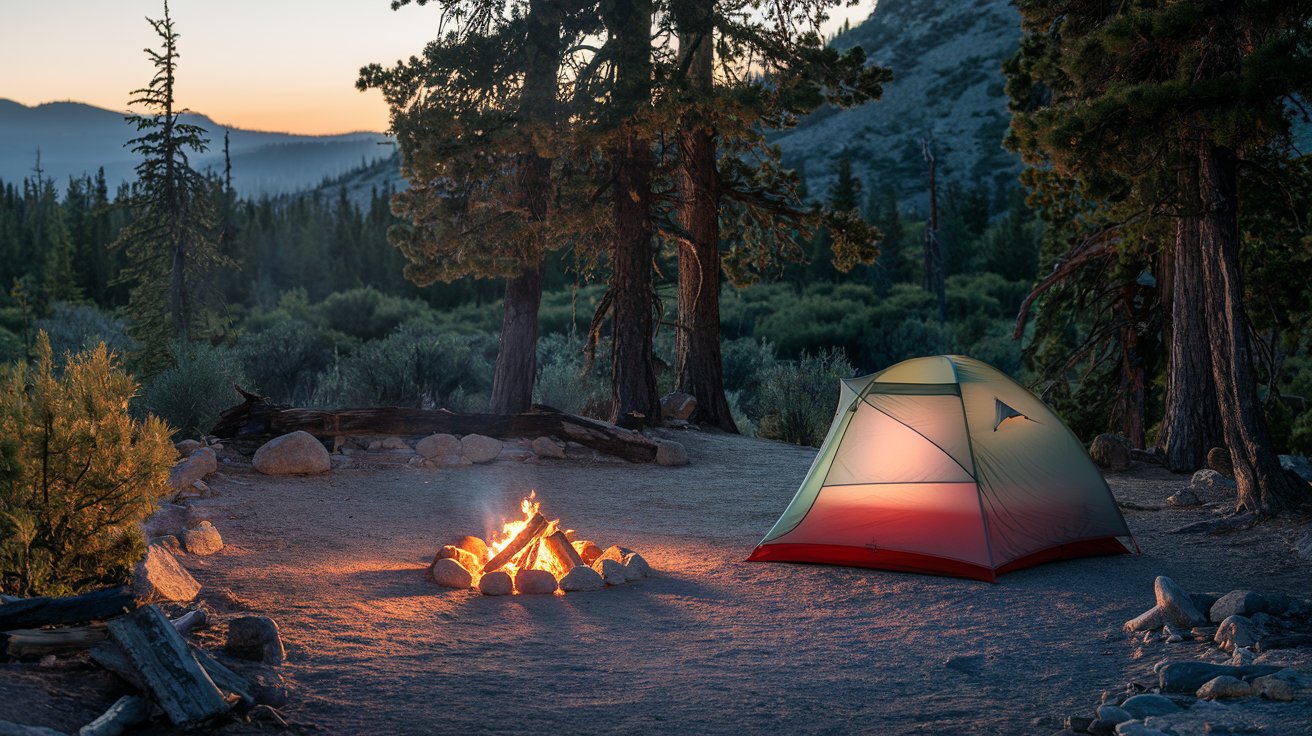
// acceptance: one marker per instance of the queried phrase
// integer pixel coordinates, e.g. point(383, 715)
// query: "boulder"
point(1211, 485)
point(547, 447)
point(1237, 603)
point(496, 583)
point(466, 558)
point(438, 445)
point(581, 579)
point(474, 546)
point(1152, 619)
point(202, 488)
point(450, 574)
point(1218, 459)
point(1224, 687)
point(1110, 715)
point(1137, 728)
point(186, 447)
point(255, 638)
point(388, 443)
point(614, 552)
point(612, 571)
point(635, 567)
point(588, 551)
point(678, 405)
point(671, 453)
point(535, 582)
point(168, 542)
point(1110, 452)
point(1241, 656)
point(480, 449)
point(298, 453)
point(1235, 632)
point(158, 578)
point(1286, 685)
point(1298, 465)
point(1187, 676)
point(1149, 704)
point(1184, 498)
point(1177, 607)
point(203, 540)
point(201, 462)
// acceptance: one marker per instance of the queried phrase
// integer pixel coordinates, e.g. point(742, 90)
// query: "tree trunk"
point(1263, 488)
point(512, 383)
point(1192, 422)
point(634, 402)
point(698, 366)
point(934, 281)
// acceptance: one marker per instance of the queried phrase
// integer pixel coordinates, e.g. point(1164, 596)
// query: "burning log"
point(167, 669)
point(563, 551)
point(32, 613)
point(537, 525)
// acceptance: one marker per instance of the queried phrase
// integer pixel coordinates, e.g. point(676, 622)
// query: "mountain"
point(76, 138)
point(948, 86)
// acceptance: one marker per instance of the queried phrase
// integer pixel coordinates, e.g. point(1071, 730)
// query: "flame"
point(542, 557)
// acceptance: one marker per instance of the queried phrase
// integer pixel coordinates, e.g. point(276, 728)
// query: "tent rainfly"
point(945, 465)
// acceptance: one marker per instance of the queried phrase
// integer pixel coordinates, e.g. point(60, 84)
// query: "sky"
point(276, 65)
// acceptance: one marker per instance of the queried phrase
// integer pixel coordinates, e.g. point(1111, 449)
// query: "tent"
point(945, 465)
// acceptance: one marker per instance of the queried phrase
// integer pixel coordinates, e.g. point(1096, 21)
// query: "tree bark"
point(1263, 487)
point(1192, 422)
point(512, 383)
point(698, 366)
point(934, 280)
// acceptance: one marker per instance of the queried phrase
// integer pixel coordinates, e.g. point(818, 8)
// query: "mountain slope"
point(76, 138)
point(946, 57)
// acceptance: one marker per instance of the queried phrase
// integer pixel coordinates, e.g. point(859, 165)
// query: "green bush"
point(913, 337)
point(192, 393)
point(76, 327)
point(414, 367)
point(78, 474)
point(367, 313)
point(562, 382)
point(798, 397)
point(286, 359)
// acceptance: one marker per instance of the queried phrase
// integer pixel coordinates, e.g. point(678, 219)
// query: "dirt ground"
point(710, 645)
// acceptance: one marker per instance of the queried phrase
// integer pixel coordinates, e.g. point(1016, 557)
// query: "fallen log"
point(110, 657)
point(530, 533)
point(98, 605)
point(168, 669)
point(257, 420)
point(224, 679)
point(125, 713)
point(37, 643)
point(9, 728)
point(559, 546)
point(191, 620)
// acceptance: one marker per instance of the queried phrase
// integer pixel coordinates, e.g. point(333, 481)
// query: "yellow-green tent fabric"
point(946, 465)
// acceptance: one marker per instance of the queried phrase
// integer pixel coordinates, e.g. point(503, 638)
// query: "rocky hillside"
point(946, 57)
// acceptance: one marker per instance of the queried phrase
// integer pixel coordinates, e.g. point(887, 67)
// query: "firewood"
point(125, 713)
point(191, 620)
point(110, 656)
point(36, 643)
point(224, 679)
point(558, 544)
point(98, 605)
point(528, 534)
point(168, 670)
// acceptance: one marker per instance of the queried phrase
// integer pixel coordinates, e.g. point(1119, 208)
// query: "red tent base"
point(883, 559)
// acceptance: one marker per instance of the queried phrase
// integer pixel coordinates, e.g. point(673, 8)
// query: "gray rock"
point(298, 453)
point(1241, 656)
point(186, 447)
point(1298, 465)
point(1224, 687)
point(202, 488)
point(1211, 485)
point(1234, 632)
point(635, 567)
point(1184, 498)
point(1149, 704)
point(1152, 619)
point(158, 577)
point(678, 405)
point(450, 574)
point(388, 443)
point(1286, 685)
point(1110, 452)
point(496, 583)
point(535, 582)
point(1137, 728)
point(438, 445)
point(1177, 607)
point(1188, 676)
point(671, 453)
point(1172, 634)
point(480, 449)
point(1113, 714)
point(203, 540)
point(255, 638)
point(1237, 603)
point(201, 462)
point(582, 579)
point(611, 571)
point(547, 447)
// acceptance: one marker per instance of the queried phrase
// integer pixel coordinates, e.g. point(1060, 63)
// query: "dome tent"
point(945, 465)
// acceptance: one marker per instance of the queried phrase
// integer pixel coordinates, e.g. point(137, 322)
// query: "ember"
point(532, 554)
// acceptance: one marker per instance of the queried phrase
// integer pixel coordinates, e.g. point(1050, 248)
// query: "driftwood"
point(256, 420)
point(125, 713)
point(527, 535)
point(167, 668)
point(110, 656)
point(36, 643)
point(563, 550)
point(191, 620)
point(224, 679)
point(31, 613)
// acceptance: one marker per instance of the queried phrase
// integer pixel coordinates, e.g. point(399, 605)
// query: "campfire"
point(532, 554)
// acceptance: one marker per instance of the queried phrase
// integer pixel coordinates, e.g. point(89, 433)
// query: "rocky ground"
point(708, 644)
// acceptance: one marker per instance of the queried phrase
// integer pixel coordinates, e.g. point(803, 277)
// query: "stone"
point(1187, 676)
point(635, 567)
point(1224, 687)
point(1241, 656)
point(614, 552)
point(581, 579)
point(159, 578)
point(1110, 452)
point(670, 453)
point(388, 443)
point(496, 583)
point(1149, 704)
point(1137, 728)
point(474, 546)
point(1172, 634)
point(1218, 459)
point(480, 449)
point(255, 638)
point(1177, 607)
point(1237, 603)
point(1211, 485)
point(547, 447)
point(535, 582)
point(1149, 620)
point(1298, 465)
point(168, 542)
point(612, 571)
point(1078, 724)
point(1113, 714)
point(466, 559)
point(1184, 498)
point(448, 573)
point(202, 488)
point(678, 405)
point(202, 540)
point(1286, 685)
point(438, 445)
point(588, 550)
point(1234, 632)
point(186, 447)
point(298, 453)
point(201, 462)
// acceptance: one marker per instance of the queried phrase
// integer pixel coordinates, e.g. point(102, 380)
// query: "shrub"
point(76, 327)
point(286, 359)
point(414, 367)
point(192, 393)
point(562, 382)
point(913, 337)
point(367, 313)
point(77, 474)
point(798, 397)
